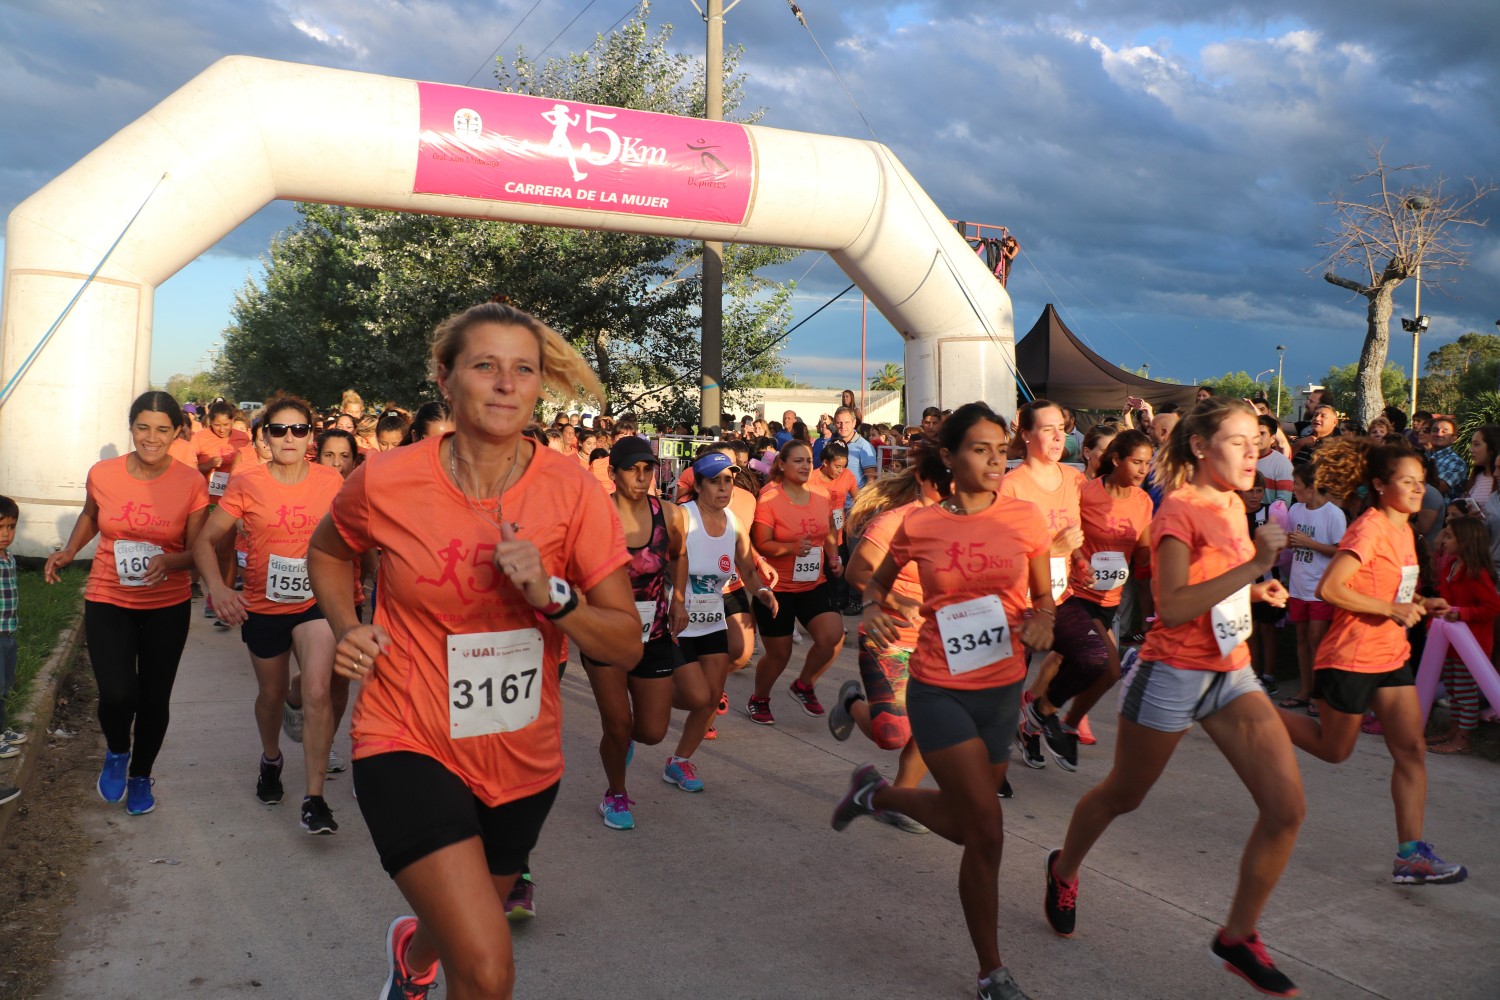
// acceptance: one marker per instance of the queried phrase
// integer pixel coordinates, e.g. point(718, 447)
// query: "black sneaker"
point(268, 785)
point(8, 792)
point(317, 818)
point(1007, 792)
point(859, 799)
point(1061, 905)
point(1030, 745)
point(1251, 962)
point(855, 608)
point(1063, 744)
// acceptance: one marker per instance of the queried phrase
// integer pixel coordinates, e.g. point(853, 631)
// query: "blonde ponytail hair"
point(566, 376)
point(882, 495)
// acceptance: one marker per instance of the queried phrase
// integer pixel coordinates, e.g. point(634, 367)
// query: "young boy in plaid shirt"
point(10, 600)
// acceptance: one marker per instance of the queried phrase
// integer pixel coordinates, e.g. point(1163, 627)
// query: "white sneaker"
point(9, 750)
point(291, 722)
point(796, 635)
point(335, 762)
point(12, 737)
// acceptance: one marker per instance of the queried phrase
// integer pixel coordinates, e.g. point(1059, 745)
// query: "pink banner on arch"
point(536, 151)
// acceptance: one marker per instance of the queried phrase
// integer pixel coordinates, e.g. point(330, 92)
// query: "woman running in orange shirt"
point(982, 559)
point(279, 504)
point(486, 541)
point(793, 531)
point(1195, 667)
point(147, 508)
point(1363, 661)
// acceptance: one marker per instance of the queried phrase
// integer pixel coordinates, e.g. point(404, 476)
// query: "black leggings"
point(135, 652)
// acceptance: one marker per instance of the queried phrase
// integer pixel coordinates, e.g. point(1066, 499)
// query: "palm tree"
point(889, 379)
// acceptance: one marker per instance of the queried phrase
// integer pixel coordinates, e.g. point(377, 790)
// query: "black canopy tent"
point(1057, 366)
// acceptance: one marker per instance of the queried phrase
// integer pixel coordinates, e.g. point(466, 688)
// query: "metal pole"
point(864, 313)
point(711, 405)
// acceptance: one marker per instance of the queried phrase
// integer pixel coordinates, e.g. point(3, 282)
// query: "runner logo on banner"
point(535, 151)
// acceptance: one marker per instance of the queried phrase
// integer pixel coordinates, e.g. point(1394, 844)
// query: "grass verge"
point(46, 611)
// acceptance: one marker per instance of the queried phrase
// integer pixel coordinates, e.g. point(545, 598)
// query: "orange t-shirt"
point(962, 558)
point(788, 523)
point(879, 531)
point(1110, 524)
point(438, 580)
point(600, 469)
point(247, 458)
point(742, 506)
point(685, 489)
point(279, 521)
point(838, 489)
point(182, 449)
point(1371, 644)
point(1059, 509)
point(153, 511)
point(1219, 540)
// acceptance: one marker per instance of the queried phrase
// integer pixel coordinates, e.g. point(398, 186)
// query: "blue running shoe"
point(616, 811)
point(630, 753)
point(138, 797)
point(112, 778)
point(680, 772)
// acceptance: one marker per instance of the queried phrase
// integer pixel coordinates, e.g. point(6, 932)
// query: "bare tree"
point(1396, 232)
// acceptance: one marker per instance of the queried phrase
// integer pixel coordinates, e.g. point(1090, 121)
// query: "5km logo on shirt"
point(971, 560)
point(135, 515)
point(456, 559)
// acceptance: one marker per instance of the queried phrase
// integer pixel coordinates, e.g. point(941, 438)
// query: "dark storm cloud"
point(1162, 159)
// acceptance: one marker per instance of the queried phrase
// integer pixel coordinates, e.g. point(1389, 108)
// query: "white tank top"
point(710, 566)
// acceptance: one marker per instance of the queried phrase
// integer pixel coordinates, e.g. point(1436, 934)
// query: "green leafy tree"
point(1459, 371)
point(1242, 385)
point(1344, 382)
point(201, 386)
point(351, 295)
point(1383, 238)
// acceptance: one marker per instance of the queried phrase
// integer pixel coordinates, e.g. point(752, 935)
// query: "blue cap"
point(713, 464)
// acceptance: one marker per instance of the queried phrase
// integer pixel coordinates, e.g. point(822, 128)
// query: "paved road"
point(744, 891)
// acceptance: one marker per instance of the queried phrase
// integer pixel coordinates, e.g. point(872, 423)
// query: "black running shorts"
point(271, 635)
point(803, 606)
point(1353, 693)
point(414, 806)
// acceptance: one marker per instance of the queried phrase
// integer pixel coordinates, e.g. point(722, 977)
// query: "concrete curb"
point(37, 716)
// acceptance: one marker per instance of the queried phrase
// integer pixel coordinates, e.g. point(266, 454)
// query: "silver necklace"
point(499, 516)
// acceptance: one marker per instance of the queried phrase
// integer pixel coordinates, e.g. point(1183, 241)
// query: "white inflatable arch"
point(247, 131)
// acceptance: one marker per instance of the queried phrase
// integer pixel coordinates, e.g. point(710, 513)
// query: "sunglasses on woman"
point(298, 430)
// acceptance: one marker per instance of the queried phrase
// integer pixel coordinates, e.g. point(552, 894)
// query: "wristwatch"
point(561, 601)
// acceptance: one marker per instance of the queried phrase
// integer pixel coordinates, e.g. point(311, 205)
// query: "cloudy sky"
point(1162, 162)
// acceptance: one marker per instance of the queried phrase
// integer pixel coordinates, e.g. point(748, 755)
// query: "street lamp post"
point(1280, 357)
point(1419, 204)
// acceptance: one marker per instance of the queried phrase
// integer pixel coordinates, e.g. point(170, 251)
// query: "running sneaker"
point(1062, 743)
point(9, 793)
point(208, 607)
point(859, 800)
point(805, 694)
point(221, 623)
point(268, 785)
point(1061, 905)
point(400, 983)
point(521, 903)
point(1268, 681)
point(723, 704)
point(291, 722)
point(999, 985)
point(1249, 960)
point(616, 811)
point(139, 799)
point(680, 772)
point(796, 635)
point(629, 753)
point(112, 778)
point(9, 750)
point(1030, 744)
point(1007, 792)
point(760, 711)
point(712, 734)
point(840, 722)
point(12, 737)
point(1085, 732)
point(900, 821)
point(317, 818)
point(1426, 868)
point(336, 763)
